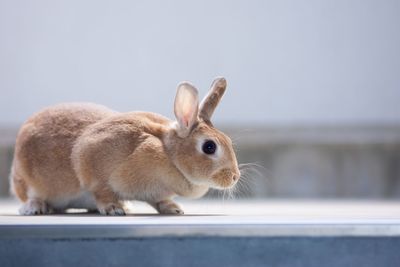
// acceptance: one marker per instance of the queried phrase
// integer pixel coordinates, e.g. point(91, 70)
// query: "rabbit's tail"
point(18, 186)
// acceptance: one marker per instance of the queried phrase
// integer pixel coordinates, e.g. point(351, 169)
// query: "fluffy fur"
point(87, 156)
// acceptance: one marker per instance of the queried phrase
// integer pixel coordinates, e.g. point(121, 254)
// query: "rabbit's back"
point(43, 148)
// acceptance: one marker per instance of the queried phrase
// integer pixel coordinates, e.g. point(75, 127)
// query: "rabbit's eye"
point(209, 147)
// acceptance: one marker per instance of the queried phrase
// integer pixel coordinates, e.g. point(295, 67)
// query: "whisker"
point(252, 165)
point(247, 183)
point(256, 168)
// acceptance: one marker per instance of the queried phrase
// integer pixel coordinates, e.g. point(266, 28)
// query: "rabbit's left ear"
point(211, 100)
point(186, 108)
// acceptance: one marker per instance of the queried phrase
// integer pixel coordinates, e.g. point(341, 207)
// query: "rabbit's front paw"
point(114, 209)
point(168, 207)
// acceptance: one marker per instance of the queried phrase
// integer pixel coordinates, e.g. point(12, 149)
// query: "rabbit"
point(87, 156)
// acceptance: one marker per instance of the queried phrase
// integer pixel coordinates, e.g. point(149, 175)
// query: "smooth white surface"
point(264, 218)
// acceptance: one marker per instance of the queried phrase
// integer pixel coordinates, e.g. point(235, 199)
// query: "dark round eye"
point(209, 147)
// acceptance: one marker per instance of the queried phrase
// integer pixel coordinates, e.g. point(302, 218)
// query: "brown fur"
point(69, 149)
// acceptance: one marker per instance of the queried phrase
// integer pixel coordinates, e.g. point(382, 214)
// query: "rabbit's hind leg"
point(108, 202)
point(35, 206)
point(32, 205)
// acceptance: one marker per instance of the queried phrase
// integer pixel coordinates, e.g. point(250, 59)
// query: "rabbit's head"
point(203, 154)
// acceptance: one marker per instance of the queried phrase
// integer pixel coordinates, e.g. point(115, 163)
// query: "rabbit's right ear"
point(212, 99)
point(186, 108)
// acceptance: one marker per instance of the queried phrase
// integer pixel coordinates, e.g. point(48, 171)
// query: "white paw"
point(169, 207)
point(34, 207)
point(112, 209)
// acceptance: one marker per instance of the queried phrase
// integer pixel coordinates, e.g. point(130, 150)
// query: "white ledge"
point(215, 218)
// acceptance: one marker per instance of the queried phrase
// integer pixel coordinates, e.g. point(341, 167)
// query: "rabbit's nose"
point(235, 177)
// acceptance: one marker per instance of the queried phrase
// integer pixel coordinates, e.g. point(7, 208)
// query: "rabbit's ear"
point(211, 100)
point(186, 107)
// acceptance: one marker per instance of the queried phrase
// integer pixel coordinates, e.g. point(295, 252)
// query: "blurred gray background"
point(313, 86)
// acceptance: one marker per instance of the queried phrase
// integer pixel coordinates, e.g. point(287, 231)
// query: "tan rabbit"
point(88, 156)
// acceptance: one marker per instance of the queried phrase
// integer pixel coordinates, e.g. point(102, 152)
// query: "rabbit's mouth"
point(224, 179)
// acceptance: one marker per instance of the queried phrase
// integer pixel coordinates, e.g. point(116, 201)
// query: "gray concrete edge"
point(182, 230)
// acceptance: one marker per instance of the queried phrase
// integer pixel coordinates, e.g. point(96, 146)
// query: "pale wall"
point(287, 62)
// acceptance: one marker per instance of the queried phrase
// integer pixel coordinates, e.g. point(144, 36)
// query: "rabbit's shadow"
point(133, 214)
point(93, 214)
